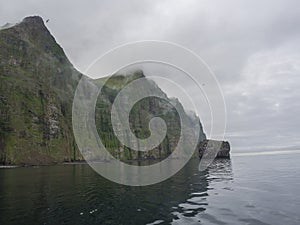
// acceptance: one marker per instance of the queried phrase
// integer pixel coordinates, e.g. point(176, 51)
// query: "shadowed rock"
point(223, 152)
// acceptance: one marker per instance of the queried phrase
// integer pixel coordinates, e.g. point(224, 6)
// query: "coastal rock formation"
point(37, 86)
point(206, 145)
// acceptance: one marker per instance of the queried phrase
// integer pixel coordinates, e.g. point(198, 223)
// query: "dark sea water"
point(244, 190)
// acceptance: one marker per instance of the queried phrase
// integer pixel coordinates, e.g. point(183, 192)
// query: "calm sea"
point(261, 189)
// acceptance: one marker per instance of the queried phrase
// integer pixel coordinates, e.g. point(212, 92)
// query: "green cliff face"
point(140, 115)
point(37, 85)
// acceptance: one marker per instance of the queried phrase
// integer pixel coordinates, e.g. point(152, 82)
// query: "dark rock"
point(224, 151)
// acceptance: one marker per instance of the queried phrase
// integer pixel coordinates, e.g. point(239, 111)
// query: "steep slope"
point(139, 119)
point(37, 85)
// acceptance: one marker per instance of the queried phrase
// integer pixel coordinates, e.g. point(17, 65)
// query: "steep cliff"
point(139, 119)
point(37, 85)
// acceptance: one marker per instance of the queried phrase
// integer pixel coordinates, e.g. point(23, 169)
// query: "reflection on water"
point(189, 210)
point(254, 192)
point(75, 194)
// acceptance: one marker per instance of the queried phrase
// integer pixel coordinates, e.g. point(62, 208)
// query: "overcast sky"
point(253, 47)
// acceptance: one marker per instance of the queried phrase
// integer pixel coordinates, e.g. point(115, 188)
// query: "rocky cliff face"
point(141, 113)
point(37, 85)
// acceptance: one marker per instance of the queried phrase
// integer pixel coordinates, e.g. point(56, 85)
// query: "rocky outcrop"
point(206, 145)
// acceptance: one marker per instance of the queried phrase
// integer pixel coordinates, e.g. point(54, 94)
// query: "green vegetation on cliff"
point(37, 85)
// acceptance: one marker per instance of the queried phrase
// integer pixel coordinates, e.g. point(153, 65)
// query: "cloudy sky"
point(253, 47)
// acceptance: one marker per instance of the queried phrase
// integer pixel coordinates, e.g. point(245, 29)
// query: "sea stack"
point(207, 145)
